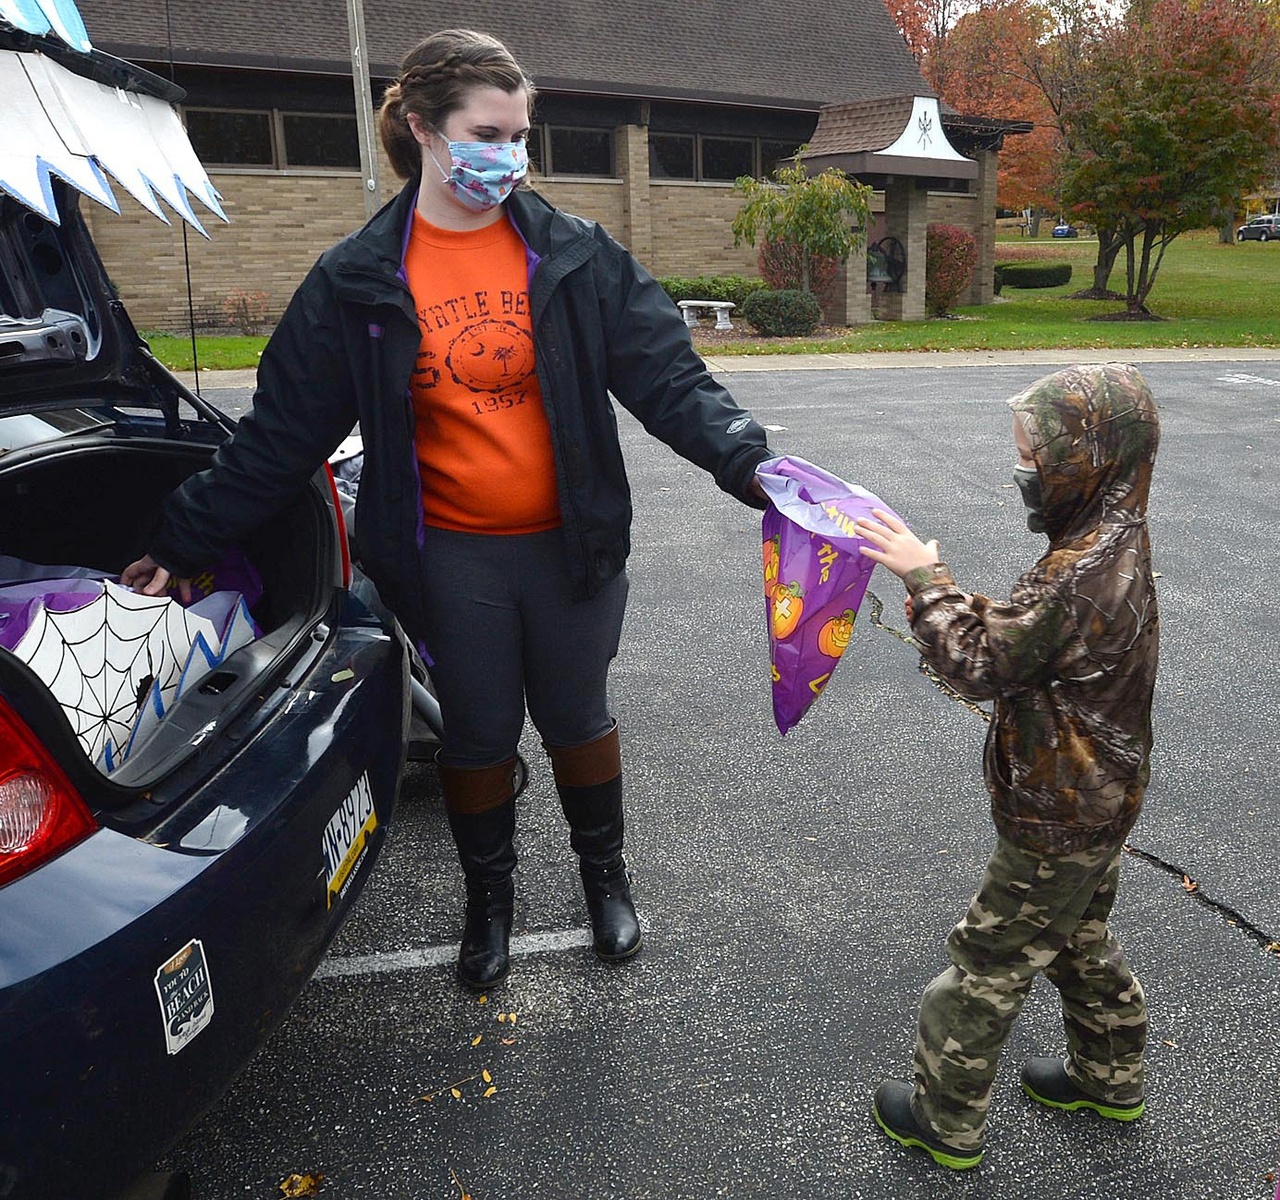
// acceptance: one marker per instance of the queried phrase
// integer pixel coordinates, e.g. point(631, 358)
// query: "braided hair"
point(433, 82)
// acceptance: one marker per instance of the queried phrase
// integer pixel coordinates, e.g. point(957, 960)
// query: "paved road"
point(796, 893)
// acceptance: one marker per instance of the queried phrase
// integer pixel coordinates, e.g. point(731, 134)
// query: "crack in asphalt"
point(1233, 917)
point(1269, 943)
point(877, 614)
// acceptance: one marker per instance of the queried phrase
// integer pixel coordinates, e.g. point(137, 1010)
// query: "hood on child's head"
point(1094, 432)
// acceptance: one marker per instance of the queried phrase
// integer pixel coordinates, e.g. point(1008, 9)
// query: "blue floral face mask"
point(483, 174)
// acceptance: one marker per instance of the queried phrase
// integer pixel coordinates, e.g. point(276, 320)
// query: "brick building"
point(647, 112)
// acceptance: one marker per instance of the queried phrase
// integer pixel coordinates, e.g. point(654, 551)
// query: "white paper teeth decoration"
point(60, 123)
point(31, 149)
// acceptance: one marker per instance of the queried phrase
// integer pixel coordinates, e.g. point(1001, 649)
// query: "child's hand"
point(899, 549)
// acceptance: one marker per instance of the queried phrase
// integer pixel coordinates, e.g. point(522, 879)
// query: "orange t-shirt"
point(483, 442)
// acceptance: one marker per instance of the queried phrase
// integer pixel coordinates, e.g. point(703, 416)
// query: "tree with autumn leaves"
point(1181, 117)
point(971, 54)
point(1150, 121)
point(982, 59)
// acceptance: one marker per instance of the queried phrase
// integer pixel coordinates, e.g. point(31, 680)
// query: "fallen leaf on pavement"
point(483, 1000)
point(458, 1183)
point(502, 1016)
point(508, 1041)
point(1167, 1042)
point(301, 1185)
point(1273, 947)
point(511, 1017)
point(1189, 884)
point(475, 1041)
point(489, 1092)
point(451, 1088)
point(486, 1076)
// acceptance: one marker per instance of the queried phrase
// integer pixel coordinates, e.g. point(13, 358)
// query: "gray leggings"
point(505, 629)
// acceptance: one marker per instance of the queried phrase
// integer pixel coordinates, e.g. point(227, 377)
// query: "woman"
point(475, 332)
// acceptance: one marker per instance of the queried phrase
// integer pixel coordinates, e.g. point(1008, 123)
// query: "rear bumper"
point(92, 1089)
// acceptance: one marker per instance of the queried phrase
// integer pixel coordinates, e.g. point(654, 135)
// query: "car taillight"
point(340, 522)
point(40, 813)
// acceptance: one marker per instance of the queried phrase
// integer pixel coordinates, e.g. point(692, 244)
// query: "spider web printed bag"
point(814, 577)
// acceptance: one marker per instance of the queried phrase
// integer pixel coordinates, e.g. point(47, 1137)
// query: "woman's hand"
point(898, 548)
point(150, 579)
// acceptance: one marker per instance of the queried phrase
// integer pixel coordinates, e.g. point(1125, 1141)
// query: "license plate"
point(346, 838)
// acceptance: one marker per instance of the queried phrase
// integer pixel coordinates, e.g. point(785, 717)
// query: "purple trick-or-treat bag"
point(814, 577)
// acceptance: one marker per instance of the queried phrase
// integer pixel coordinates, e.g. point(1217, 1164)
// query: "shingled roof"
point(778, 53)
point(871, 125)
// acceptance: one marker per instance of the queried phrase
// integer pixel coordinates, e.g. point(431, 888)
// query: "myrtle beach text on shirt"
point(487, 353)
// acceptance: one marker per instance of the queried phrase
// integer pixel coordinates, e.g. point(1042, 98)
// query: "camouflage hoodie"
point(1070, 660)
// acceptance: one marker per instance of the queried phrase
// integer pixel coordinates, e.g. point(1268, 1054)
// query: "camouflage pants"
point(1030, 914)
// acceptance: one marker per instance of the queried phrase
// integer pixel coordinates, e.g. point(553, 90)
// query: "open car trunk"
point(94, 435)
point(93, 500)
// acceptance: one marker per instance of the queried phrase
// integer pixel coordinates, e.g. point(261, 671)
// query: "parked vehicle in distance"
point(1260, 229)
point(1065, 231)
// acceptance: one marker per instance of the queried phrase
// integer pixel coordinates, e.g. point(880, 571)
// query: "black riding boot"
point(482, 815)
point(589, 780)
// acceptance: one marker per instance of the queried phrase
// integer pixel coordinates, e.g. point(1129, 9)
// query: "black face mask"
point(1028, 481)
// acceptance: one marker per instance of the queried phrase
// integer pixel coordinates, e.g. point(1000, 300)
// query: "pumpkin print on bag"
point(833, 637)
point(787, 607)
point(770, 567)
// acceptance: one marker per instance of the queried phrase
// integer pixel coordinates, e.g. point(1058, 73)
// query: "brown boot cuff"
point(585, 766)
point(477, 789)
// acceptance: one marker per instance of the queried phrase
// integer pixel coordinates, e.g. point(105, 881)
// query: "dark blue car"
point(158, 919)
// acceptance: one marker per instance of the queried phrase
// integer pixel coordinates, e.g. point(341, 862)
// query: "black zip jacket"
point(344, 351)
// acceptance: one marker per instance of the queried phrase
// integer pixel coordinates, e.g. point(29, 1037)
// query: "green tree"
point(1181, 118)
point(824, 216)
point(1059, 60)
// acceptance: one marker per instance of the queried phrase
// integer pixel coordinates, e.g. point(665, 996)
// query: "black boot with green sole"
point(892, 1108)
point(1046, 1081)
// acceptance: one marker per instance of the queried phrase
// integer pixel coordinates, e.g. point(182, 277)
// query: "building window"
point(727, 158)
point(228, 138)
point(311, 140)
point(671, 156)
point(580, 151)
point(773, 156)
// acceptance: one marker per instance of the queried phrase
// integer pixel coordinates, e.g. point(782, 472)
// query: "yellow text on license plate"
point(346, 838)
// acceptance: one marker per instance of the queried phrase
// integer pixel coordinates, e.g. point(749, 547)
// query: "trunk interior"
point(94, 502)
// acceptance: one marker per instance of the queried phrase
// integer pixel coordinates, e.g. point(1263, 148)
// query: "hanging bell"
point(878, 266)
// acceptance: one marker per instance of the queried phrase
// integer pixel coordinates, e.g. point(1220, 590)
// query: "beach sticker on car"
point(186, 995)
point(346, 838)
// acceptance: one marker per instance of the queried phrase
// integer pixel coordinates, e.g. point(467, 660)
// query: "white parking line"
point(430, 957)
point(1240, 377)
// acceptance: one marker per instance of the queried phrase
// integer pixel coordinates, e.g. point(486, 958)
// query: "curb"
point(872, 361)
point(733, 364)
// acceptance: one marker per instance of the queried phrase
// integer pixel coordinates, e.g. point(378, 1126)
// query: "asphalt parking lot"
point(796, 893)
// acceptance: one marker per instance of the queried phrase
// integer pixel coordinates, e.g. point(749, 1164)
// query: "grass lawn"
point(216, 353)
point(1212, 295)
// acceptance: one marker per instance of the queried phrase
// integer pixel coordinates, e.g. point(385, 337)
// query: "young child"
point(1070, 661)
